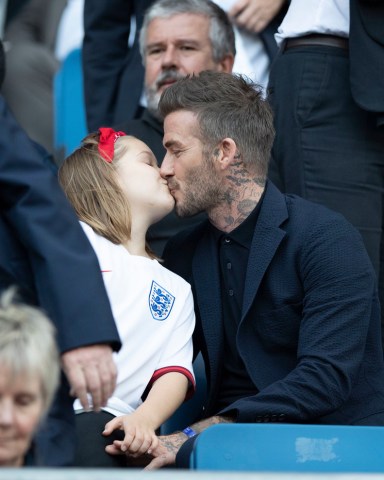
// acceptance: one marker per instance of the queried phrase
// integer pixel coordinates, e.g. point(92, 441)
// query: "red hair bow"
point(107, 139)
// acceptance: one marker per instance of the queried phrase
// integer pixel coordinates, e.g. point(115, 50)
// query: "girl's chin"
point(163, 212)
point(170, 202)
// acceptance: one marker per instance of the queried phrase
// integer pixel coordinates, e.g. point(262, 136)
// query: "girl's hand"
point(140, 437)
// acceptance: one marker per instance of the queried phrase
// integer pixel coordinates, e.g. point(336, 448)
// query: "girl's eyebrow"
point(146, 153)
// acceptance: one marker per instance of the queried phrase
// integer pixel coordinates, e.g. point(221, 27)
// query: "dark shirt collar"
point(242, 234)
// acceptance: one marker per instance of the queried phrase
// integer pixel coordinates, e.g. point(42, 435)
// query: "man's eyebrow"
point(153, 44)
point(191, 41)
point(172, 143)
point(179, 41)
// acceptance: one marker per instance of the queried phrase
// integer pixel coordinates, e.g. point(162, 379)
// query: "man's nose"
point(166, 168)
point(169, 58)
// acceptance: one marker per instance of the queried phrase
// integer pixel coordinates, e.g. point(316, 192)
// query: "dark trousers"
point(55, 441)
point(327, 149)
point(90, 450)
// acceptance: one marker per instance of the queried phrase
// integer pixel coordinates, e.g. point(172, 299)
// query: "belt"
point(316, 39)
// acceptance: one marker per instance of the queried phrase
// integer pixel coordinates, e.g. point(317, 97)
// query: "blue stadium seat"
point(191, 410)
point(69, 107)
point(289, 448)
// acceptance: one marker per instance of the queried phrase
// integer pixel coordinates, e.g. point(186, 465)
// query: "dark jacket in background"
point(113, 74)
point(366, 40)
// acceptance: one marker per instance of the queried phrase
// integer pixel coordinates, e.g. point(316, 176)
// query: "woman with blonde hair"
point(115, 187)
point(29, 376)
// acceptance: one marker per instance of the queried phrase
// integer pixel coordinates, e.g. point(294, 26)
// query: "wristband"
point(189, 432)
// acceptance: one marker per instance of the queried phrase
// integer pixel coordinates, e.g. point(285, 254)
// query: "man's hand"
point(165, 452)
point(90, 370)
point(169, 445)
point(254, 15)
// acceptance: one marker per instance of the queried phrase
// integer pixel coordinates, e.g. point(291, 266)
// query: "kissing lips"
point(172, 188)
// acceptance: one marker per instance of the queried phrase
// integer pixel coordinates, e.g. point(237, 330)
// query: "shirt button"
point(230, 293)
point(227, 240)
point(229, 265)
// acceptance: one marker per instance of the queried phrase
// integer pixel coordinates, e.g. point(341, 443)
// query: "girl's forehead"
point(132, 142)
point(135, 145)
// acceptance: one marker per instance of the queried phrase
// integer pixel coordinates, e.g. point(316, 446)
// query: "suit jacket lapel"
point(266, 239)
point(206, 273)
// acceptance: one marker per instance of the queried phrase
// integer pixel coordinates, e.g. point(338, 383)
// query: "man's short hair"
point(226, 106)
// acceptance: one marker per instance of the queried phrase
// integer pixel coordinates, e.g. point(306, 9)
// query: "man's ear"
point(228, 153)
point(226, 64)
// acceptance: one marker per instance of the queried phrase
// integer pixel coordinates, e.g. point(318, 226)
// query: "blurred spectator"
point(9, 9)
point(114, 73)
point(37, 39)
point(255, 23)
point(29, 376)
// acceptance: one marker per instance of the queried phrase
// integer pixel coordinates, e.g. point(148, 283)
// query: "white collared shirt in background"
point(329, 17)
point(70, 32)
point(251, 58)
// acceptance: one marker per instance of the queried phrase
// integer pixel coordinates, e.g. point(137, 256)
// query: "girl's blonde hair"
point(91, 185)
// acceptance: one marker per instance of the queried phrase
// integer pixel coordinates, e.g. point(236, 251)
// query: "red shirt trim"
point(191, 381)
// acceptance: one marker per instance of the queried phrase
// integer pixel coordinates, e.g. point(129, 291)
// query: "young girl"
point(115, 187)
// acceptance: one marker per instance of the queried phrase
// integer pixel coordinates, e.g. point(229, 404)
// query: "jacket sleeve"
point(27, 25)
point(65, 270)
point(105, 50)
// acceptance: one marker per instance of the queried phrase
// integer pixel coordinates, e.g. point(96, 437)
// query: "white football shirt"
point(154, 314)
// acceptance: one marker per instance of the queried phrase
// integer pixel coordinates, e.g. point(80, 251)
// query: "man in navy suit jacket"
point(288, 318)
point(44, 251)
